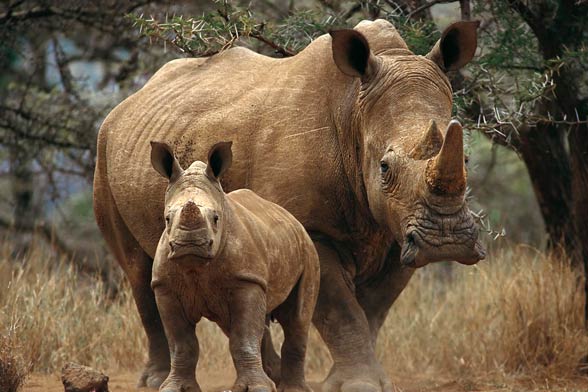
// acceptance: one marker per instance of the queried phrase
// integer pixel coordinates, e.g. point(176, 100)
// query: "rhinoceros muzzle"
point(195, 248)
point(425, 244)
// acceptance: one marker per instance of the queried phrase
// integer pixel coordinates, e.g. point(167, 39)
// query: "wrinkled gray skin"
point(352, 136)
point(235, 259)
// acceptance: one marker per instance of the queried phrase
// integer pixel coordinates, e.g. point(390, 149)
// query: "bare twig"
point(427, 6)
point(279, 49)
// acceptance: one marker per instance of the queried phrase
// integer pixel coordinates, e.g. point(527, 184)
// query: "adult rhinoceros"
point(344, 135)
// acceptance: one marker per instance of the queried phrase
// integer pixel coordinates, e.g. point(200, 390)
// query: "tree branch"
point(427, 6)
point(529, 17)
point(283, 51)
point(466, 12)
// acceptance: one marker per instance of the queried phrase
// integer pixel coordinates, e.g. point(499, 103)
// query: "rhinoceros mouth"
point(431, 238)
point(197, 248)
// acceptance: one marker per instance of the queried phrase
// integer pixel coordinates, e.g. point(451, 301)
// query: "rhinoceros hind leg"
point(295, 317)
point(137, 267)
point(343, 326)
point(247, 307)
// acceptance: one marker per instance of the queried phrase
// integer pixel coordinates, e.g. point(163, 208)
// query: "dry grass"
point(13, 369)
point(521, 313)
point(518, 314)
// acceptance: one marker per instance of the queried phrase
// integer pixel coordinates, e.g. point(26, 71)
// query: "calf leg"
point(247, 314)
point(183, 344)
point(295, 316)
point(343, 326)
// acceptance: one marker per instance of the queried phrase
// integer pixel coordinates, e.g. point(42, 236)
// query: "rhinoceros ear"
point(164, 161)
point(220, 158)
point(457, 45)
point(352, 54)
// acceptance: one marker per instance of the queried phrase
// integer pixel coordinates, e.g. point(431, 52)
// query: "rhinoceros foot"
point(177, 385)
point(152, 377)
point(257, 383)
point(294, 388)
point(358, 378)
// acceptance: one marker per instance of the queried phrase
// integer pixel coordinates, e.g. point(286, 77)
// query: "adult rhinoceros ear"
point(220, 158)
point(352, 54)
point(164, 161)
point(457, 45)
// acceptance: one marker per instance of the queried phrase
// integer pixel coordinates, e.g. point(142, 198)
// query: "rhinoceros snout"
point(478, 253)
point(417, 253)
point(199, 248)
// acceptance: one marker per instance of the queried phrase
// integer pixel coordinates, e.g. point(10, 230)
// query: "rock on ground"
point(79, 378)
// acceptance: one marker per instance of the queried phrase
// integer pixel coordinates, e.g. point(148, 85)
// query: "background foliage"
point(65, 64)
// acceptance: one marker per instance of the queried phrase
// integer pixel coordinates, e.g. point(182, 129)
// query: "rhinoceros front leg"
point(183, 344)
point(377, 296)
point(343, 326)
point(247, 325)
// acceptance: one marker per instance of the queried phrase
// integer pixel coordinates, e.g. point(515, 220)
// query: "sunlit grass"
point(520, 313)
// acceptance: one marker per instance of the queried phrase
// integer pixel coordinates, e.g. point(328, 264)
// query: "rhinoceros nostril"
point(409, 251)
point(210, 243)
point(410, 239)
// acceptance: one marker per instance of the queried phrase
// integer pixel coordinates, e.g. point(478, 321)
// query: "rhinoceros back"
point(278, 113)
point(272, 109)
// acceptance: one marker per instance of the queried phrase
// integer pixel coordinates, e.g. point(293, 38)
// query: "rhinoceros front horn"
point(445, 174)
point(190, 216)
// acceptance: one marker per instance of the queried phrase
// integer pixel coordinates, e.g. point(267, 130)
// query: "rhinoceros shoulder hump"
point(381, 35)
point(174, 68)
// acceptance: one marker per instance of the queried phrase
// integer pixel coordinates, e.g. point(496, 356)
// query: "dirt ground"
point(125, 382)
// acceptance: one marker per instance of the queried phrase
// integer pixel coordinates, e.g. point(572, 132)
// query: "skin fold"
point(235, 259)
point(353, 136)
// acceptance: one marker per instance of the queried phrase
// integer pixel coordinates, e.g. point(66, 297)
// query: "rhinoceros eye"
point(384, 167)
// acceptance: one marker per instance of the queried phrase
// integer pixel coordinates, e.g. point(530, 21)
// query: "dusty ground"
point(125, 382)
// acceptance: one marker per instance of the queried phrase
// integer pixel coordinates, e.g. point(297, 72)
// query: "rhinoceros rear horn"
point(457, 45)
point(430, 143)
point(164, 161)
point(352, 54)
point(445, 174)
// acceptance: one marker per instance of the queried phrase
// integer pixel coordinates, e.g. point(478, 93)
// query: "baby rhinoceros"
point(235, 259)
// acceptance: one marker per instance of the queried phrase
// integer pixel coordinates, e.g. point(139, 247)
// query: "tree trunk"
point(578, 140)
point(22, 194)
point(543, 151)
point(567, 170)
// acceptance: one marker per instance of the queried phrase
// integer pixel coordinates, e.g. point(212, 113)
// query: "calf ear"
point(164, 161)
point(220, 158)
point(352, 54)
point(457, 45)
